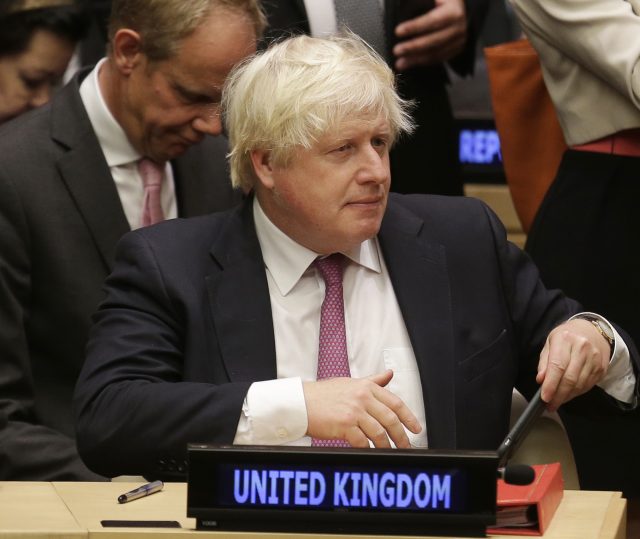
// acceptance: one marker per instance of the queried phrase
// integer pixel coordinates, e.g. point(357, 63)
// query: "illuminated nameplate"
point(336, 489)
point(305, 489)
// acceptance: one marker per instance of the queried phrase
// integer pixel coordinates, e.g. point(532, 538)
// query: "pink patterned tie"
point(333, 360)
point(152, 175)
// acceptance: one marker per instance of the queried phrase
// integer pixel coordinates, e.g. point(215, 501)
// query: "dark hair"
point(16, 29)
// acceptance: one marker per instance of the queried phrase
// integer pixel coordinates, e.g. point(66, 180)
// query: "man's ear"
point(127, 50)
point(263, 167)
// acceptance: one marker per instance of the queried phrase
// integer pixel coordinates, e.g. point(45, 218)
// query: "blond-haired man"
point(72, 181)
point(324, 310)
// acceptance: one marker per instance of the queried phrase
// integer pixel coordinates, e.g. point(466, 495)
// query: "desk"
point(32, 510)
point(74, 511)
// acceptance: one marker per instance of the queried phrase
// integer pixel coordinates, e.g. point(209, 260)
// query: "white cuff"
point(620, 380)
point(273, 413)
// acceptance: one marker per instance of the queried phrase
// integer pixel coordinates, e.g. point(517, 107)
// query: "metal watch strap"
point(597, 323)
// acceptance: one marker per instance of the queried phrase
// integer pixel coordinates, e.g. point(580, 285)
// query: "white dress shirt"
point(274, 411)
point(121, 156)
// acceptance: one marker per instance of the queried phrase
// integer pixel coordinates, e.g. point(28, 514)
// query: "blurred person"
point(37, 39)
point(132, 142)
point(323, 310)
point(420, 39)
point(586, 230)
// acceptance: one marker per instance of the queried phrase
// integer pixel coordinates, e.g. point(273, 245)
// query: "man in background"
point(126, 145)
point(324, 311)
point(418, 38)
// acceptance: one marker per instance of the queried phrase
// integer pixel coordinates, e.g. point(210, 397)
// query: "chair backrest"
point(531, 140)
point(546, 442)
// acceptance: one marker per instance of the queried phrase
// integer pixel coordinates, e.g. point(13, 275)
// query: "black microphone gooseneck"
point(519, 474)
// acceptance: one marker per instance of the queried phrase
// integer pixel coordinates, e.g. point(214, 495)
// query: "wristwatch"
point(603, 328)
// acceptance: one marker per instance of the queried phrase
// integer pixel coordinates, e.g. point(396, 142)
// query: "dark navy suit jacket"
point(186, 328)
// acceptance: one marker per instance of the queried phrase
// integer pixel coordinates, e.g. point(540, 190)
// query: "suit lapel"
point(85, 173)
point(417, 268)
point(239, 300)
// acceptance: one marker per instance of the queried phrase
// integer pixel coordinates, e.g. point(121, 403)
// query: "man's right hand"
point(358, 410)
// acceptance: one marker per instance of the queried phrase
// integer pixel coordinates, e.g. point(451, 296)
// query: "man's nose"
point(374, 166)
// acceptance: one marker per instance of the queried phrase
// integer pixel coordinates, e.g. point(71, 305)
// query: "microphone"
point(517, 474)
point(520, 430)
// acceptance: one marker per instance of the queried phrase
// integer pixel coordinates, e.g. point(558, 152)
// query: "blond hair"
point(301, 88)
point(163, 24)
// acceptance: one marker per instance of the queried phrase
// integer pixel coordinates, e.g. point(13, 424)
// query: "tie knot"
point(331, 268)
point(150, 172)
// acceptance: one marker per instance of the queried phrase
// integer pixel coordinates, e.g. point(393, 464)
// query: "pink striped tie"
point(333, 360)
point(151, 174)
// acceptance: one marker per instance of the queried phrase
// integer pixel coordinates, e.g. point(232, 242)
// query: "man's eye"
point(379, 141)
point(342, 148)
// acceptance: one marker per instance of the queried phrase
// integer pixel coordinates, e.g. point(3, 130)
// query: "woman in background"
point(37, 39)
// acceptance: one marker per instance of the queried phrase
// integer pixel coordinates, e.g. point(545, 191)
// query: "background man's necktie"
point(365, 18)
point(151, 174)
point(333, 360)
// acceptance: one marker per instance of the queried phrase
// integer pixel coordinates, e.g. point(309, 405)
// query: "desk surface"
point(74, 510)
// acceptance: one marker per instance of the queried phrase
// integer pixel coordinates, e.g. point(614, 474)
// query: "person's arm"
point(620, 380)
point(568, 357)
point(135, 411)
point(445, 33)
point(575, 358)
point(599, 35)
point(281, 411)
point(28, 449)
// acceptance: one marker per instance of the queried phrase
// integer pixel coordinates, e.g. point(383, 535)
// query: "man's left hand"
point(573, 360)
point(434, 37)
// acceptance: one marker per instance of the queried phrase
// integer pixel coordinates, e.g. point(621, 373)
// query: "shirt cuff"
point(620, 380)
point(273, 413)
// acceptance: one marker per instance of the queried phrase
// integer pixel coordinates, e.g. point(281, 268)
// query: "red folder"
point(528, 510)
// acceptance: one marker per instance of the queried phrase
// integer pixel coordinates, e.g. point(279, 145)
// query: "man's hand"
point(358, 410)
point(434, 37)
point(573, 360)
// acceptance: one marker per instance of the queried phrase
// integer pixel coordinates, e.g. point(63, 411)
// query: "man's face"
point(171, 104)
point(332, 196)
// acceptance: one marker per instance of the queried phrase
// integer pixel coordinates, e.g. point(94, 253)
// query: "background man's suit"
point(432, 149)
point(60, 219)
point(191, 297)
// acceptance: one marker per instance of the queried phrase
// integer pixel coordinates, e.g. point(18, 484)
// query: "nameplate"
point(330, 490)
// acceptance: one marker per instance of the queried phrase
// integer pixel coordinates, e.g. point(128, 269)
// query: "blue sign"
point(341, 489)
point(479, 147)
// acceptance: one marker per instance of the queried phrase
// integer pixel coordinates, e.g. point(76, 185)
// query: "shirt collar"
point(113, 140)
point(287, 260)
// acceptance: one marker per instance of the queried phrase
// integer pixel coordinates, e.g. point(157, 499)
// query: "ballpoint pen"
point(144, 490)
